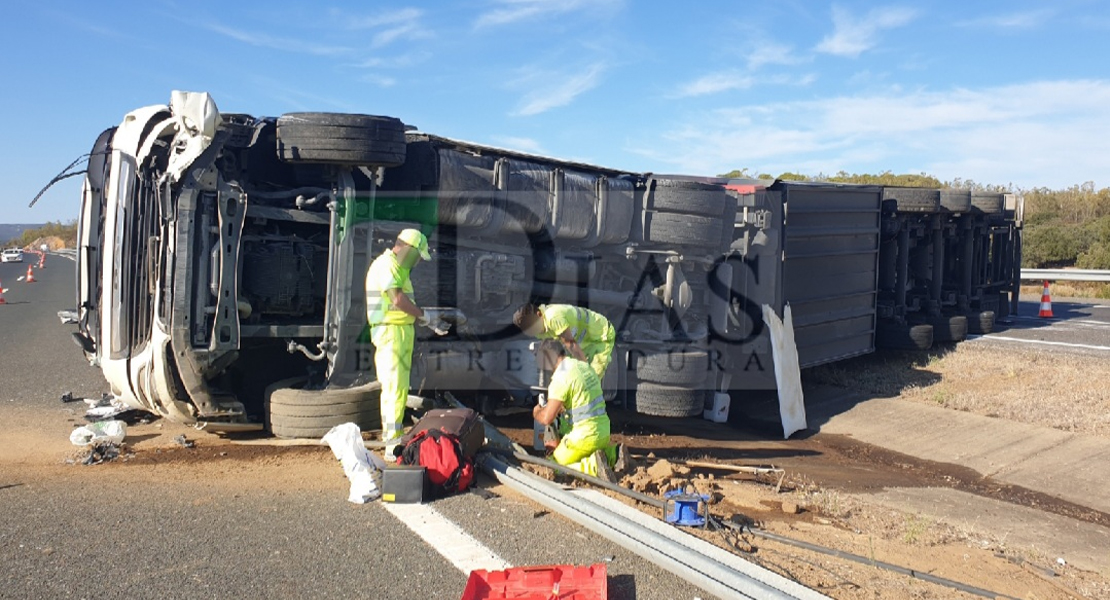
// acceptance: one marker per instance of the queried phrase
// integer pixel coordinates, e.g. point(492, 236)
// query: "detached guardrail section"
point(1096, 275)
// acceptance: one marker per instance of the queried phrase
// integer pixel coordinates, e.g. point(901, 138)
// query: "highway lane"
point(1077, 326)
point(222, 521)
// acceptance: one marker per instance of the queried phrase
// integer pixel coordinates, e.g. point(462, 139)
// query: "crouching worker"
point(576, 405)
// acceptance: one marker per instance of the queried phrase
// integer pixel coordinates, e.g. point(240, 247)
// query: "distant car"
point(12, 255)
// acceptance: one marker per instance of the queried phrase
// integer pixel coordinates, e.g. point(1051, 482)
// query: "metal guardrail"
point(1100, 275)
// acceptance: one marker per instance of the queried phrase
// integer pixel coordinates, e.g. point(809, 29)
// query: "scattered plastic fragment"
point(99, 432)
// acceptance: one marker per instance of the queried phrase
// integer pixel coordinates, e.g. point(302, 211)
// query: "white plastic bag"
point(101, 431)
point(362, 467)
point(788, 375)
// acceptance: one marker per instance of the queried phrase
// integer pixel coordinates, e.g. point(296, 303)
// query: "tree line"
point(66, 231)
point(1063, 228)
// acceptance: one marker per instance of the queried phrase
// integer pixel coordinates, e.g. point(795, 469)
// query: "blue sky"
point(1001, 92)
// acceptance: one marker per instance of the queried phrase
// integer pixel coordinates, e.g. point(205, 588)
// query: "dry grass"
point(1064, 391)
point(1070, 289)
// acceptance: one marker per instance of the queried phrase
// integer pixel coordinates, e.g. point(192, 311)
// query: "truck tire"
point(903, 336)
point(957, 202)
point(980, 322)
point(341, 139)
point(916, 200)
point(682, 230)
point(669, 401)
point(948, 328)
point(294, 412)
point(990, 204)
point(673, 366)
point(687, 197)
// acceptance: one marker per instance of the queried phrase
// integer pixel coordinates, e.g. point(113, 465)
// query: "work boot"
point(604, 471)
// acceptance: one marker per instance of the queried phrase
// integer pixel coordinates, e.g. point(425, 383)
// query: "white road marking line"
point(1024, 341)
point(456, 545)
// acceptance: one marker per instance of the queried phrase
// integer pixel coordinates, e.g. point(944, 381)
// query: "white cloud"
point(512, 11)
point(714, 83)
point(406, 31)
point(733, 80)
point(1020, 20)
point(404, 15)
point(389, 26)
point(265, 41)
point(852, 35)
point(552, 90)
point(378, 80)
point(401, 61)
point(768, 52)
point(1046, 133)
point(83, 24)
point(520, 144)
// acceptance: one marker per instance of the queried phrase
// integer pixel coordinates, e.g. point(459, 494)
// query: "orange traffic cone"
point(30, 275)
point(2, 290)
point(42, 260)
point(1046, 303)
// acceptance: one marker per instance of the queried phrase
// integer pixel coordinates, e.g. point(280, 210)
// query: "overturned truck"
point(221, 266)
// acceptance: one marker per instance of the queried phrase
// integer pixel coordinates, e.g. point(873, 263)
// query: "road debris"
point(101, 453)
point(738, 468)
point(107, 407)
point(184, 442)
point(362, 467)
point(99, 432)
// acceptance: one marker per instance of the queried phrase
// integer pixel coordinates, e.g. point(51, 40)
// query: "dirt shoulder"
point(1068, 392)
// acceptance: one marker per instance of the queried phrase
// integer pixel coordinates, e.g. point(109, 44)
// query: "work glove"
point(440, 327)
point(433, 319)
point(430, 316)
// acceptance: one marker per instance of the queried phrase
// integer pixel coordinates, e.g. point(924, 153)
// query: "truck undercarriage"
point(222, 257)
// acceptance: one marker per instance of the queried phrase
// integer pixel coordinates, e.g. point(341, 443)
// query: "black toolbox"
point(405, 484)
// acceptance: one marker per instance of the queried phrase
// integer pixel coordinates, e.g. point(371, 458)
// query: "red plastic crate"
point(538, 583)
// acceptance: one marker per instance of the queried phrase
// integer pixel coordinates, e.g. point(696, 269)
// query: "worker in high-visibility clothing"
point(575, 402)
point(391, 312)
point(587, 335)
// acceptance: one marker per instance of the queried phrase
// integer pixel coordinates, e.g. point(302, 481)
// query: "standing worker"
point(587, 335)
point(391, 312)
point(574, 399)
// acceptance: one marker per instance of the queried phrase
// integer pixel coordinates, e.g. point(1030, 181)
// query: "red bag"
point(449, 470)
point(463, 423)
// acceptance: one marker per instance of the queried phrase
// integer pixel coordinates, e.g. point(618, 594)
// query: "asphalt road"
point(161, 527)
point(1077, 326)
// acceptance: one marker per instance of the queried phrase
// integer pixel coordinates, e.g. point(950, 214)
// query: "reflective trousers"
point(600, 353)
point(392, 362)
point(576, 449)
